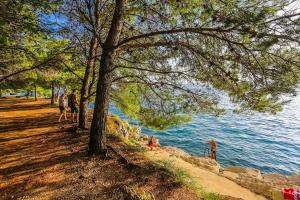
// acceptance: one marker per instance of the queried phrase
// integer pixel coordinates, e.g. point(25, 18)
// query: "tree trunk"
point(35, 92)
point(84, 100)
point(92, 60)
point(52, 92)
point(97, 143)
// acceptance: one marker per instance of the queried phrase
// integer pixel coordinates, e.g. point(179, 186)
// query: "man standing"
point(73, 103)
point(213, 149)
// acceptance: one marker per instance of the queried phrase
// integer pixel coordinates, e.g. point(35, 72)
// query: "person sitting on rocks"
point(213, 149)
point(152, 143)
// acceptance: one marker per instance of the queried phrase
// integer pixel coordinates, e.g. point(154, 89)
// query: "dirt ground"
point(43, 159)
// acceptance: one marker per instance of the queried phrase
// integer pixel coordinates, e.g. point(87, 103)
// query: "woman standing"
point(62, 106)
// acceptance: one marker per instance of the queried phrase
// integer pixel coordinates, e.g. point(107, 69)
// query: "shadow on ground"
point(41, 159)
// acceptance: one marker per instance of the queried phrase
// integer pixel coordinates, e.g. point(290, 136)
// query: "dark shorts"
point(74, 109)
point(62, 109)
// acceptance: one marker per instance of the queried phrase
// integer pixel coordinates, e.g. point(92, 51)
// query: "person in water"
point(74, 106)
point(213, 149)
point(62, 106)
point(153, 143)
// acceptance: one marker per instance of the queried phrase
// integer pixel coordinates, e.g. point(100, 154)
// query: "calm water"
point(266, 142)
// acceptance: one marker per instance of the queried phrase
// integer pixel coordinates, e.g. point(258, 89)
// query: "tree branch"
point(181, 30)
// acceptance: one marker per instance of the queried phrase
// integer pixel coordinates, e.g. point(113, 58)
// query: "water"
point(263, 141)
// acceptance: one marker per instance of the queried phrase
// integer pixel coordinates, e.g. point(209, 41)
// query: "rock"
point(246, 171)
point(230, 175)
point(176, 152)
point(206, 163)
point(295, 180)
point(134, 132)
point(248, 178)
point(202, 162)
point(223, 197)
point(117, 126)
point(277, 180)
point(144, 137)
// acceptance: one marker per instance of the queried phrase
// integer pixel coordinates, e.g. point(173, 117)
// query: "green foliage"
point(42, 92)
point(132, 142)
point(153, 119)
point(242, 55)
point(145, 195)
point(174, 58)
point(127, 100)
point(27, 47)
point(132, 194)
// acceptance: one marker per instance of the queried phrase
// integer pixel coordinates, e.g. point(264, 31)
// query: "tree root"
point(123, 160)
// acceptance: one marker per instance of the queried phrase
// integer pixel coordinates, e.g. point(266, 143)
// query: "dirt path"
point(42, 159)
point(211, 182)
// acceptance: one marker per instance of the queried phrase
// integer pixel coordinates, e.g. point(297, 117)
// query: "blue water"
point(270, 143)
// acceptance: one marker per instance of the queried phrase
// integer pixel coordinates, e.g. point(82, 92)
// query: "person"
point(62, 106)
point(74, 106)
point(213, 149)
point(152, 143)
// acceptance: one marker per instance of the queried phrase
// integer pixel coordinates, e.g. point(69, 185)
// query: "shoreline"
point(267, 185)
point(238, 145)
point(262, 184)
point(190, 154)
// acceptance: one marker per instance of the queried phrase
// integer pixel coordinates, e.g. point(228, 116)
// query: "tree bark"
point(35, 92)
point(52, 92)
point(91, 62)
point(84, 100)
point(97, 143)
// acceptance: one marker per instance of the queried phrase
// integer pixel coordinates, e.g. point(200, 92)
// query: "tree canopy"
point(159, 61)
point(180, 57)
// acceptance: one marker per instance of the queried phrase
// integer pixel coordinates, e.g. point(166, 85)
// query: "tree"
point(82, 29)
point(19, 25)
point(179, 54)
point(160, 61)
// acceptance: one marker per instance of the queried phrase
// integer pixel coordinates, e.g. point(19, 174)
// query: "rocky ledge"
point(268, 185)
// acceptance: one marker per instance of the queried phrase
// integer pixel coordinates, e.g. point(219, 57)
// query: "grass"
point(132, 194)
point(145, 195)
point(276, 195)
point(133, 143)
point(182, 177)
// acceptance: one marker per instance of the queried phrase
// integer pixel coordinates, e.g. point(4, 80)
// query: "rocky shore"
point(266, 185)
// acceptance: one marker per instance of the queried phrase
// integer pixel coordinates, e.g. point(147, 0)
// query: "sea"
point(270, 143)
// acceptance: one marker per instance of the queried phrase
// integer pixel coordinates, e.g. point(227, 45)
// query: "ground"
point(43, 159)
